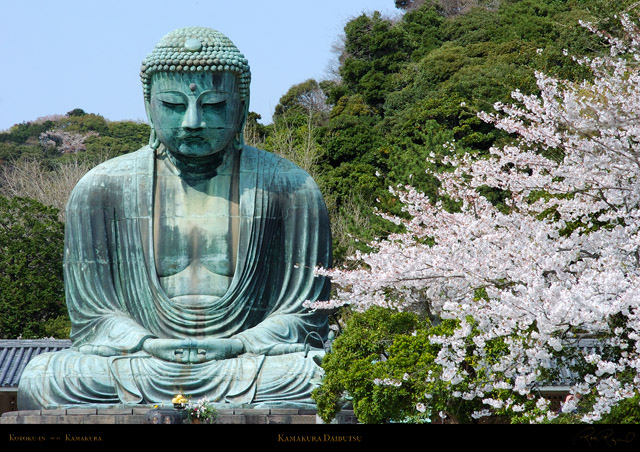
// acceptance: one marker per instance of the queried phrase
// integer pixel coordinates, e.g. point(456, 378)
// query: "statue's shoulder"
point(109, 174)
point(279, 175)
point(268, 162)
point(124, 165)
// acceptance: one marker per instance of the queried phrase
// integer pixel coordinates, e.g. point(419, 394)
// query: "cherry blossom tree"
point(66, 142)
point(555, 267)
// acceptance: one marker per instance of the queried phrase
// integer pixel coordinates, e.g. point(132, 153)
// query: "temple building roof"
point(16, 353)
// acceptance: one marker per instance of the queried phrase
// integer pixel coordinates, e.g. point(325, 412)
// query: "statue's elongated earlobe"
point(154, 141)
point(238, 141)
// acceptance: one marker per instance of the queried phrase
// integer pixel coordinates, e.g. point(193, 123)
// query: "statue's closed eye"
point(173, 105)
point(172, 99)
point(213, 104)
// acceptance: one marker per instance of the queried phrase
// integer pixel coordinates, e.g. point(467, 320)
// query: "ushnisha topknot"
point(196, 49)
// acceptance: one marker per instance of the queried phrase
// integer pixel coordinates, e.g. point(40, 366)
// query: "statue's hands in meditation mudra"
point(187, 263)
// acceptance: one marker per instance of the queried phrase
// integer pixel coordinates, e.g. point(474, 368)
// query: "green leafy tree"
point(306, 98)
point(354, 362)
point(76, 112)
point(119, 137)
point(374, 49)
point(382, 365)
point(254, 132)
point(31, 282)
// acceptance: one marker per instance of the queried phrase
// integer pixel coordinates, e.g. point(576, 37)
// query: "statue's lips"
point(193, 139)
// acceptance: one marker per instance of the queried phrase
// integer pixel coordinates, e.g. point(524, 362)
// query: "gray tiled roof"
point(566, 377)
point(16, 353)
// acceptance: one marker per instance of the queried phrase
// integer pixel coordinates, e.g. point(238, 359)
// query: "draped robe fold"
point(115, 300)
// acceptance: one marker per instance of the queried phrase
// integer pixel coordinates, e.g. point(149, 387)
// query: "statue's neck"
point(197, 167)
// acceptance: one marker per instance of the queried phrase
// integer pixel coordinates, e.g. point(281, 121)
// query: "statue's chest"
point(193, 225)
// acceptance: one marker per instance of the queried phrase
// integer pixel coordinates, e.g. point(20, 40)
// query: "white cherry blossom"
point(561, 265)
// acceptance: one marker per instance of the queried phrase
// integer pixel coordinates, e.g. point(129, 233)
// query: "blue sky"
point(66, 54)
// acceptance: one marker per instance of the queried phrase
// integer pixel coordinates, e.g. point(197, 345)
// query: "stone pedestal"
point(165, 416)
point(144, 415)
point(109, 415)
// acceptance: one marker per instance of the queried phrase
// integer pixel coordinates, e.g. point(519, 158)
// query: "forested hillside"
point(84, 135)
point(407, 86)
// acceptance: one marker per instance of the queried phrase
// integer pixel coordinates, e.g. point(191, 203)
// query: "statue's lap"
point(70, 378)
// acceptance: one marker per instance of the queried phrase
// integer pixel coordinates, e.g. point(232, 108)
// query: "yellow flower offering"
point(179, 399)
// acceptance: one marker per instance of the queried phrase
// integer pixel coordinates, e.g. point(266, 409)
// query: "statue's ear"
point(245, 112)
point(238, 142)
point(154, 142)
point(147, 109)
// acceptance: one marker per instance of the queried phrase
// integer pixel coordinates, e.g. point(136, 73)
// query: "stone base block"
point(116, 415)
point(146, 415)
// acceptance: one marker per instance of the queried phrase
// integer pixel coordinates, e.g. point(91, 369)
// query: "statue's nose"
point(193, 117)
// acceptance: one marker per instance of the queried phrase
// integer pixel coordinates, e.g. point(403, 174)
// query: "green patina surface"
point(187, 263)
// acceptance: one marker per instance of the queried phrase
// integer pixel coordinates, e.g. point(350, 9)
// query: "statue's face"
point(195, 114)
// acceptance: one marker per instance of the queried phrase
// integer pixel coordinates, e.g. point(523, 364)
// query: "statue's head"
point(196, 90)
